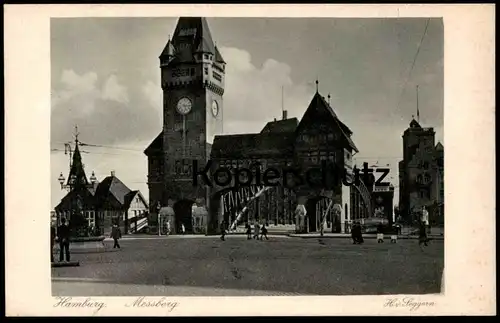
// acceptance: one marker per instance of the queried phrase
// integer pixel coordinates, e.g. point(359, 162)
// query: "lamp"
point(93, 178)
point(61, 180)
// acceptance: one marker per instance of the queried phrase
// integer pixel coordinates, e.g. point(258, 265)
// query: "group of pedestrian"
point(259, 232)
point(63, 234)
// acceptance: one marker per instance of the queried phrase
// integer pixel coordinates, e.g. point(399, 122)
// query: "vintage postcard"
point(249, 160)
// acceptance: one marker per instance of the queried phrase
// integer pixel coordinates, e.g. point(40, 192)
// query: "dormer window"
point(206, 56)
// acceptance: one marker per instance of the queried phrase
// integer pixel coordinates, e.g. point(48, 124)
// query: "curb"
point(65, 264)
point(364, 237)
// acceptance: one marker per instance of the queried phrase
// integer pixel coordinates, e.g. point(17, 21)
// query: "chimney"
point(113, 173)
point(274, 119)
point(284, 114)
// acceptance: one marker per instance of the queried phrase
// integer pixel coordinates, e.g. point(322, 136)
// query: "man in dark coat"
point(52, 242)
point(116, 234)
point(63, 235)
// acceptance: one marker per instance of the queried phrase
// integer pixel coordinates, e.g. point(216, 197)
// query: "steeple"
point(77, 173)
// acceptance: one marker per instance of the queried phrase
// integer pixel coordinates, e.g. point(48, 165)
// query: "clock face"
point(184, 106)
point(215, 108)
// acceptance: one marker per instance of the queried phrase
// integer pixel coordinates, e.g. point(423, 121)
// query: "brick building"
point(193, 82)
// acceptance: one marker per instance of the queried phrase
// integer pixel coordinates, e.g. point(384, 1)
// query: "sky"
point(105, 78)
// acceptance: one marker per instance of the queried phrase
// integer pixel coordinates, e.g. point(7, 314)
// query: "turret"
point(167, 54)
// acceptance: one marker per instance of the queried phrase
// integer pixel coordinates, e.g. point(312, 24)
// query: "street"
point(207, 266)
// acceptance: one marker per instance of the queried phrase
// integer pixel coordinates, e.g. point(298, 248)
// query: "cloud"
point(73, 85)
point(253, 95)
point(114, 91)
point(153, 94)
point(105, 114)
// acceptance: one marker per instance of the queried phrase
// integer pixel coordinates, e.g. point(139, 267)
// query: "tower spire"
point(317, 85)
point(77, 173)
point(76, 134)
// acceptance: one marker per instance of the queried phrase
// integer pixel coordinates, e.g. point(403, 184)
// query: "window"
point(330, 136)
point(192, 71)
point(205, 56)
point(206, 70)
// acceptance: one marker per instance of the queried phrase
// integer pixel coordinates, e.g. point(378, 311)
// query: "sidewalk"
point(365, 236)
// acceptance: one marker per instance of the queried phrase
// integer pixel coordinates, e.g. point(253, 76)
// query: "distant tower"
point(415, 170)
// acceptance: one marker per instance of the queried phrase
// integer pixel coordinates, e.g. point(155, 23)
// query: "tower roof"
point(76, 169)
point(169, 49)
point(415, 124)
point(439, 146)
point(196, 31)
point(218, 56)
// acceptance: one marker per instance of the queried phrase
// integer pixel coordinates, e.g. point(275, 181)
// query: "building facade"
point(421, 175)
point(193, 82)
point(95, 206)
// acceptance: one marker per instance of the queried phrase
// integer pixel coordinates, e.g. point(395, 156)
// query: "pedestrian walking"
point(116, 234)
point(183, 228)
point(249, 231)
point(223, 230)
point(52, 242)
point(422, 236)
point(256, 229)
point(63, 234)
point(380, 233)
point(357, 234)
point(264, 232)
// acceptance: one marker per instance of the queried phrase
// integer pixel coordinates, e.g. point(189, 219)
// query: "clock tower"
point(192, 79)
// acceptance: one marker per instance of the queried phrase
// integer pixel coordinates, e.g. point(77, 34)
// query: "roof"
point(169, 50)
point(112, 185)
point(319, 103)
point(85, 196)
point(415, 124)
point(195, 31)
point(129, 197)
point(156, 146)
point(77, 168)
point(218, 56)
point(439, 146)
point(287, 125)
point(249, 145)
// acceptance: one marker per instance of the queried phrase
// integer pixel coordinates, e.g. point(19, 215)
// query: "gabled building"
point(319, 136)
point(193, 83)
point(100, 204)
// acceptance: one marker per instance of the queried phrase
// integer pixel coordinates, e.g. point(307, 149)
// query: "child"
point(394, 235)
point(380, 233)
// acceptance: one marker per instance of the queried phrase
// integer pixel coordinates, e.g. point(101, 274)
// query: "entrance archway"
point(311, 213)
point(183, 215)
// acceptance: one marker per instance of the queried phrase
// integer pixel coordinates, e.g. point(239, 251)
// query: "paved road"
point(237, 267)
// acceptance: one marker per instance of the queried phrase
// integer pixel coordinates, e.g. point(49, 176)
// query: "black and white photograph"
point(353, 106)
point(196, 161)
